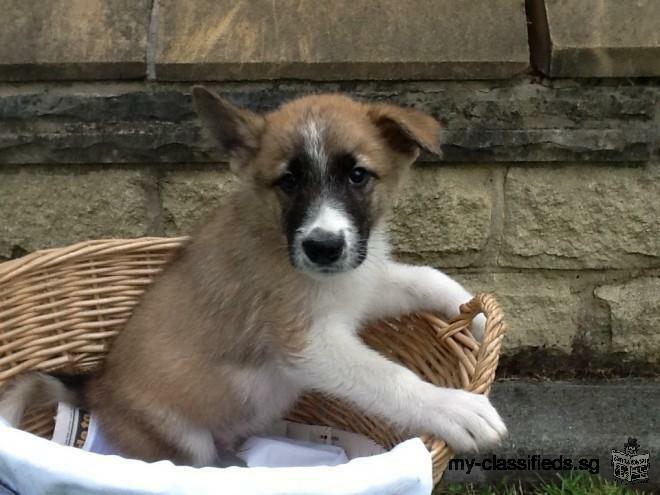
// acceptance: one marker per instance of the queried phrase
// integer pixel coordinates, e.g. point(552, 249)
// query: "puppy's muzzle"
point(323, 248)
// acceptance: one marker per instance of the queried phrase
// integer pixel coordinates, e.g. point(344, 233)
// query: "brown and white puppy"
point(267, 299)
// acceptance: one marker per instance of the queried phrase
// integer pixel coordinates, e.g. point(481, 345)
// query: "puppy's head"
point(325, 167)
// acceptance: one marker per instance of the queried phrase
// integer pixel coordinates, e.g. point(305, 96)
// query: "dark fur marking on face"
point(344, 162)
point(315, 185)
point(354, 201)
point(299, 201)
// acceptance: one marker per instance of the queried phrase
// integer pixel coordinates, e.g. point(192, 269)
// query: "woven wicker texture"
point(60, 309)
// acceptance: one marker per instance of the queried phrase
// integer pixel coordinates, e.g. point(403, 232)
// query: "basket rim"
point(45, 258)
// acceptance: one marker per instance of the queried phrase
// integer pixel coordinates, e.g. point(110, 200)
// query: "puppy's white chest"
point(271, 392)
point(347, 298)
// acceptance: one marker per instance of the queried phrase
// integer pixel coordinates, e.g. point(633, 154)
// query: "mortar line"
point(492, 248)
point(152, 38)
point(154, 202)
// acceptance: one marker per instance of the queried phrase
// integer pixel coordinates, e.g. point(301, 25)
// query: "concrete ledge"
point(341, 40)
point(595, 38)
point(73, 39)
point(573, 420)
point(514, 122)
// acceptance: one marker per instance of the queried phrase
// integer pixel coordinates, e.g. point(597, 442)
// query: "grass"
point(572, 484)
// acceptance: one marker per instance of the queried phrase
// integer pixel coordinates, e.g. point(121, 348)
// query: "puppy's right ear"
point(236, 130)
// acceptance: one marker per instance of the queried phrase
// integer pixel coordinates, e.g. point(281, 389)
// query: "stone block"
point(595, 38)
point(190, 196)
point(51, 207)
point(341, 40)
point(73, 39)
point(581, 217)
point(635, 316)
point(442, 215)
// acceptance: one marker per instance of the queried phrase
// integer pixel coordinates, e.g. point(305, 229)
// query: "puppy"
point(267, 299)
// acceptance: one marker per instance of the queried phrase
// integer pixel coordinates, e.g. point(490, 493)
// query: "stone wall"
point(548, 193)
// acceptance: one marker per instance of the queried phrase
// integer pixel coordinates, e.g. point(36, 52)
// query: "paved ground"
point(579, 421)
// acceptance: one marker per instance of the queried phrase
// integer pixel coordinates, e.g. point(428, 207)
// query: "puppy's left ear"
point(406, 130)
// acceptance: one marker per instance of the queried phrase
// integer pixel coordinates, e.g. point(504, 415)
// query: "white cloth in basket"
point(30, 465)
point(286, 444)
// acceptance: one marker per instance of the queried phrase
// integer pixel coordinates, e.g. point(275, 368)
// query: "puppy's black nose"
point(323, 247)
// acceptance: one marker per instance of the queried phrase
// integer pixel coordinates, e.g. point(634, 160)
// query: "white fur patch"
point(16, 398)
point(330, 219)
point(313, 138)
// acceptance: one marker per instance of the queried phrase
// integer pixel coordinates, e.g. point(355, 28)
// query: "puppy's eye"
point(359, 176)
point(287, 182)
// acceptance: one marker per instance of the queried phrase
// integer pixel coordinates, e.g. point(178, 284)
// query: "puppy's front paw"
point(478, 327)
point(466, 421)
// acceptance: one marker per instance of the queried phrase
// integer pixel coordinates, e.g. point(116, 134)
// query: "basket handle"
point(487, 356)
point(489, 347)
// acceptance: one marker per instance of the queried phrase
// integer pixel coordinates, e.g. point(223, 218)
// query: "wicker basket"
point(60, 309)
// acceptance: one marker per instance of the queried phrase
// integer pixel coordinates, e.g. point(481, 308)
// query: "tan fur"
point(227, 303)
point(232, 301)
